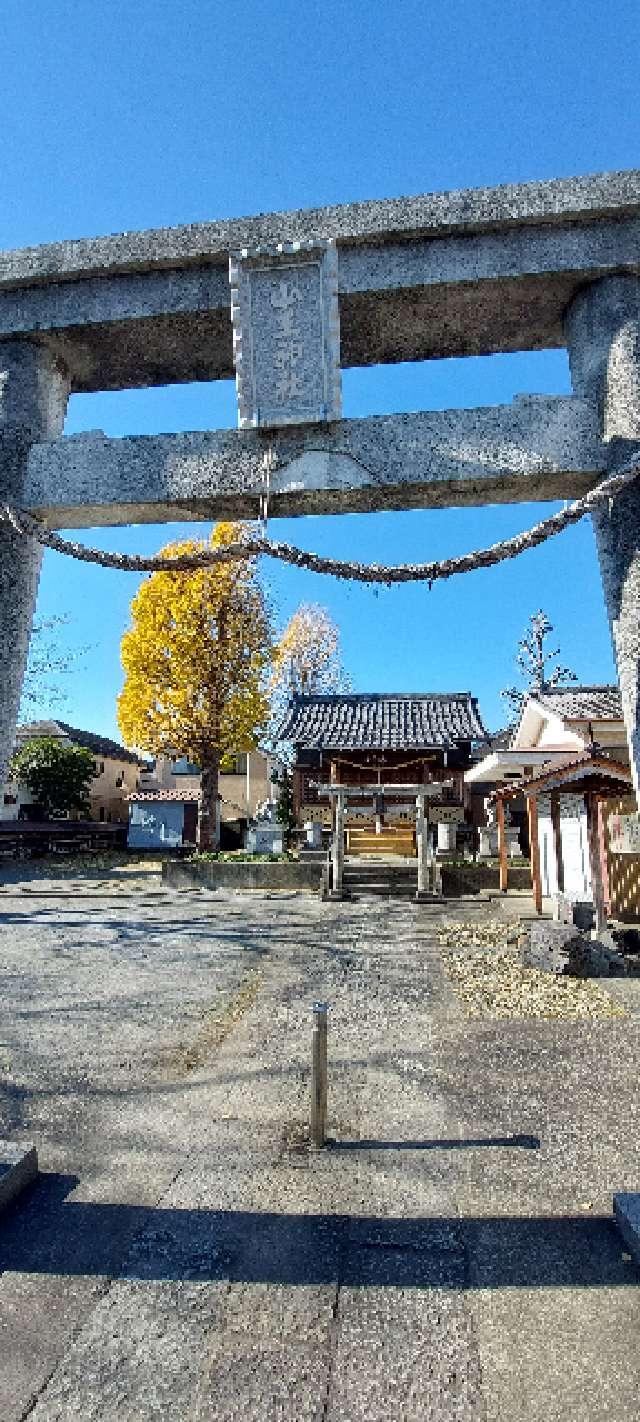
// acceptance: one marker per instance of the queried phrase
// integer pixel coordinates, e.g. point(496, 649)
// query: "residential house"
point(117, 774)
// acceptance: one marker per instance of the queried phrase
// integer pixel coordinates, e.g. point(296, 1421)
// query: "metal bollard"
point(318, 1076)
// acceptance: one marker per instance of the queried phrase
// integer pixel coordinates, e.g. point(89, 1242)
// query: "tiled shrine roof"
point(383, 721)
point(588, 703)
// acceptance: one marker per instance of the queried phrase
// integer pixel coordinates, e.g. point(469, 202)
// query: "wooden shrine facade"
point(384, 740)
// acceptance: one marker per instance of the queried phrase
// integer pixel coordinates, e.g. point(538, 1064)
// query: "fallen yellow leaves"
point(482, 962)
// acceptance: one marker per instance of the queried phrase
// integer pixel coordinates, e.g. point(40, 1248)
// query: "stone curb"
point(18, 1168)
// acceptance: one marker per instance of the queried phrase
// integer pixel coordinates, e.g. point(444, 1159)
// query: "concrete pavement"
point(451, 1255)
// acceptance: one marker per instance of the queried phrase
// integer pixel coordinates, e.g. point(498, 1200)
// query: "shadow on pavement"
point(465, 1143)
point(46, 1233)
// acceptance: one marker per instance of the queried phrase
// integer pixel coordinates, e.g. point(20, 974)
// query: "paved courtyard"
point(451, 1255)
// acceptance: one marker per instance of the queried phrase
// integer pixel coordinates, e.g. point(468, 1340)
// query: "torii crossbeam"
point(285, 300)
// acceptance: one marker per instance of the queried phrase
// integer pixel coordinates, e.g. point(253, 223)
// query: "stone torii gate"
point(420, 793)
point(285, 300)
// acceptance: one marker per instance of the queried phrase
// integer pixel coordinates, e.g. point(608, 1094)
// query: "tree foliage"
point(307, 657)
point(46, 663)
point(306, 661)
point(194, 662)
point(534, 661)
point(58, 775)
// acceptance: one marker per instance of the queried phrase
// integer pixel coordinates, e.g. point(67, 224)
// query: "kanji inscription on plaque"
point(286, 342)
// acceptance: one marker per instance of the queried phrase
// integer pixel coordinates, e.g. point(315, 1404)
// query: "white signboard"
point(446, 814)
point(624, 834)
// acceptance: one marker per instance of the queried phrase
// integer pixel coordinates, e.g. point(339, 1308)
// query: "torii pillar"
point(603, 337)
point(34, 390)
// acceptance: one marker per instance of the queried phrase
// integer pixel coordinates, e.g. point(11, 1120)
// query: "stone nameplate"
point(286, 334)
point(624, 834)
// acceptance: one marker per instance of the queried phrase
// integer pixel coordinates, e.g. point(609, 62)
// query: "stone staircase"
point(383, 878)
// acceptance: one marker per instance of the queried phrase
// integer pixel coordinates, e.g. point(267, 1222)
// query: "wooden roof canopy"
point(589, 771)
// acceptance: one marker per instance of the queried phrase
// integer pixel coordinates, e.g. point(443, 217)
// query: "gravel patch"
point(482, 962)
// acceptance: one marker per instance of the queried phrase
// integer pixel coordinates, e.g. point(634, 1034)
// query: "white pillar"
point(422, 845)
point(447, 835)
point(337, 844)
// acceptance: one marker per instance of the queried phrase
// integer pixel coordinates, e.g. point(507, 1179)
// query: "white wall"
point(21, 795)
point(555, 733)
point(575, 847)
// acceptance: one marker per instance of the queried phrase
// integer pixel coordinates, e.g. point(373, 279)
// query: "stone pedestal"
point(447, 838)
point(488, 843)
point(33, 400)
point(603, 337)
point(265, 839)
point(313, 834)
point(514, 848)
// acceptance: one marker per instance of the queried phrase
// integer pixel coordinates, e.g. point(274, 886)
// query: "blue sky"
point(125, 116)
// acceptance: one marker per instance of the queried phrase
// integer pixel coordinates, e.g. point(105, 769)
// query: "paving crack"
point(332, 1344)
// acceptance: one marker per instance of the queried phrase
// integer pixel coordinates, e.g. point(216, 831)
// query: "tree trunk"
point(208, 833)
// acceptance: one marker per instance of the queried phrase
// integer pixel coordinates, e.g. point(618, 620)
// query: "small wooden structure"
point(594, 777)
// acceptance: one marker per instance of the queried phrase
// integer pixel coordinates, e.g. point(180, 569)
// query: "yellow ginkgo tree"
point(194, 662)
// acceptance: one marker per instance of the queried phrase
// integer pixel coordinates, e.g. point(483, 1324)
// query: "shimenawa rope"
point(252, 546)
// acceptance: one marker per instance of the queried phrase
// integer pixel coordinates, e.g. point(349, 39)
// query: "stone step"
point(380, 879)
point(369, 870)
point(382, 885)
point(18, 1169)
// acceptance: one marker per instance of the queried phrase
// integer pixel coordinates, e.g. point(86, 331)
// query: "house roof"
point(511, 764)
point(98, 745)
point(383, 721)
point(582, 703)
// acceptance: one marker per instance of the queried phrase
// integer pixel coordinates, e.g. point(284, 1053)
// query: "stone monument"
point(265, 834)
point(488, 834)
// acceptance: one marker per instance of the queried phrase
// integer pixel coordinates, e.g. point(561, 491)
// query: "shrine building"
point(384, 739)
